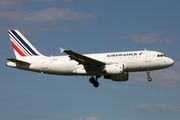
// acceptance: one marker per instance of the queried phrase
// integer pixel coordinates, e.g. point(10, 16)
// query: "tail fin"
point(21, 46)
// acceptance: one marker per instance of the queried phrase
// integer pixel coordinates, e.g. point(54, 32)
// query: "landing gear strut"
point(148, 75)
point(94, 81)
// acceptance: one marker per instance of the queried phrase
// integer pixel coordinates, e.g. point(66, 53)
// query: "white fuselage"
point(114, 66)
point(62, 65)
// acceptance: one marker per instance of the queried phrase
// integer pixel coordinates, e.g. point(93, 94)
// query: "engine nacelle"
point(114, 69)
point(118, 78)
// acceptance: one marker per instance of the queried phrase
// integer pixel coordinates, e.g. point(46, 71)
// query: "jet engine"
point(118, 78)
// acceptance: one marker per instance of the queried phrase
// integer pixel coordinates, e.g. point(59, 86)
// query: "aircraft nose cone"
point(170, 62)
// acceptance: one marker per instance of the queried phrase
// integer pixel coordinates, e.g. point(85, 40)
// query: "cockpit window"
point(161, 55)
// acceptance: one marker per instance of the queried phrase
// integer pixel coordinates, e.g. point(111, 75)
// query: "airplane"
point(114, 66)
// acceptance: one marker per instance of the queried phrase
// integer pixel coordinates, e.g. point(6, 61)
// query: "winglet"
point(62, 50)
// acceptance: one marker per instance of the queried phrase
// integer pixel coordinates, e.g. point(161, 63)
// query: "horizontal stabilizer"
point(18, 61)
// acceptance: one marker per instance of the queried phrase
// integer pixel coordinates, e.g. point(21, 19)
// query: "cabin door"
point(148, 56)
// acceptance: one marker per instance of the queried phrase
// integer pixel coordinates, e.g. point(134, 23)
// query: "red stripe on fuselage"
point(18, 50)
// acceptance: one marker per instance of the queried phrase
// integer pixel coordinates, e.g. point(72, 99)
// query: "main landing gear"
point(94, 81)
point(148, 75)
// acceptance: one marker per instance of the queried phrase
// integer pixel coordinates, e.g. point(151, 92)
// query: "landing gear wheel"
point(92, 80)
point(148, 75)
point(96, 84)
point(149, 79)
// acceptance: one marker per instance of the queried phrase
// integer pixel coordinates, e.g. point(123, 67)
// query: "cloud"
point(4, 4)
point(165, 107)
point(154, 37)
point(90, 118)
point(58, 14)
point(45, 15)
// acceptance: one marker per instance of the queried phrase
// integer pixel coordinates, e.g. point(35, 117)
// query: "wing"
point(89, 63)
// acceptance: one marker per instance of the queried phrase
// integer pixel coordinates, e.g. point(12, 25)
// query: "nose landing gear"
point(148, 75)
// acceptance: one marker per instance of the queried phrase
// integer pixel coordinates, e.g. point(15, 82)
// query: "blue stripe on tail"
point(20, 45)
point(24, 43)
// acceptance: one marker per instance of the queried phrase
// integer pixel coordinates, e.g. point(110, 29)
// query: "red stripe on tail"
point(18, 50)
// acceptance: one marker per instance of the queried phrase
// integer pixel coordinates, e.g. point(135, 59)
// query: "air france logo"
point(140, 53)
point(122, 55)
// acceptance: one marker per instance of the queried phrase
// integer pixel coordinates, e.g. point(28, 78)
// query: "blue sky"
point(91, 26)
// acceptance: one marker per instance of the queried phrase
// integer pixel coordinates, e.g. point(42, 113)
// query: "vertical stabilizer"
point(21, 46)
